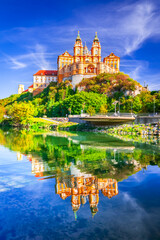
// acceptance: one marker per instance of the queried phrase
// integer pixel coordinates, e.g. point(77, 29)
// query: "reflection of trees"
point(58, 153)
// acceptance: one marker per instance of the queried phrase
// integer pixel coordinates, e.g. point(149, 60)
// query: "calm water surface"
point(78, 186)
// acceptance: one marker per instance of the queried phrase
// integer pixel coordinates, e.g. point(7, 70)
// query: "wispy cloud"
point(39, 59)
point(139, 24)
point(126, 27)
point(15, 64)
point(37, 56)
point(153, 80)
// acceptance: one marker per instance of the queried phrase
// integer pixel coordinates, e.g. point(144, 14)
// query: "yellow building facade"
point(85, 188)
point(85, 63)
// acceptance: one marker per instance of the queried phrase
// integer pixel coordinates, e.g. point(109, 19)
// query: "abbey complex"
point(83, 64)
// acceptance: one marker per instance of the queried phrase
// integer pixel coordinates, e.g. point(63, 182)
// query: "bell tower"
point(96, 49)
point(78, 49)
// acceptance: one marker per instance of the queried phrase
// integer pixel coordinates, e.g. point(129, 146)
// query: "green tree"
point(137, 104)
point(103, 109)
point(2, 113)
point(21, 113)
point(91, 110)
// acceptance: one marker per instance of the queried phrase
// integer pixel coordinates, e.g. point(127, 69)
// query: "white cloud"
point(36, 56)
point(124, 28)
point(153, 80)
point(39, 59)
point(139, 24)
point(11, 182)
point(15, 64)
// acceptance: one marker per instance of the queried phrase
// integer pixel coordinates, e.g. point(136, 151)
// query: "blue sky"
point(34, 32)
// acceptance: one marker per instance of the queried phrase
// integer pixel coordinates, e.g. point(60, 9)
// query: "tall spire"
point(78, 37)
point(96, 39)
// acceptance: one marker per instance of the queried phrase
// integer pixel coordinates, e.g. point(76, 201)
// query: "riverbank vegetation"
point(98, 96)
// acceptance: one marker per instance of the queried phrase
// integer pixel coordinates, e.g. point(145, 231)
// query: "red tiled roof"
point(26, 90)
point(46, 73)
point(31, 86)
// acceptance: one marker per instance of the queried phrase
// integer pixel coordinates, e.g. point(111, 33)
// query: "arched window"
point(96, 52)
point(78, 51)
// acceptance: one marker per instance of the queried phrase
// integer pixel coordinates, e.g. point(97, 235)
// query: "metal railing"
point(113, 114)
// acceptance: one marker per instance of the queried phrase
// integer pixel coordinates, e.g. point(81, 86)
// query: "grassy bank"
point(37, 123)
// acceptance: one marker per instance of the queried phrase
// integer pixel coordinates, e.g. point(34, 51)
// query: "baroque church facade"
point(83, 64)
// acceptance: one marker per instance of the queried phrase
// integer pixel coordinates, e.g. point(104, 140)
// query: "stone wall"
point(147, 119)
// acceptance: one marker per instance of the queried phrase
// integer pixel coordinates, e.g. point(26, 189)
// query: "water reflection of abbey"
point(84, 187)
point(80, 186)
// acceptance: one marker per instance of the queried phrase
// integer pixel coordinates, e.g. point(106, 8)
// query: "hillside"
point(94, 95)
point(109, 84)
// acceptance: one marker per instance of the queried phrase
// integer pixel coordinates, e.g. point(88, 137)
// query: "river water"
point(78, 186)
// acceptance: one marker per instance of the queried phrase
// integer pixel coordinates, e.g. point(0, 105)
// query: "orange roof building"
point(42, 79)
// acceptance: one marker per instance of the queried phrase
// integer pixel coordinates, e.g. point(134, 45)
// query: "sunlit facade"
point(84, 188)
point(85, 63)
